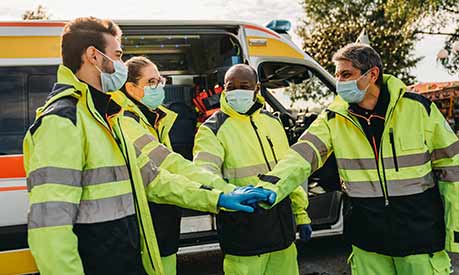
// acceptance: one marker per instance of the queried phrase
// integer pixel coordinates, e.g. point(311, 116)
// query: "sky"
point(255, 11)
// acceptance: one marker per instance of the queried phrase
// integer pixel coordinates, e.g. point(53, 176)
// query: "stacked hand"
point(245, 198)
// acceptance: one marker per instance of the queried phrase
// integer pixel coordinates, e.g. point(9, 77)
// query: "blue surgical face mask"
point(349, 91)
point(153, 97)
point(113, 81)
point(240, 100)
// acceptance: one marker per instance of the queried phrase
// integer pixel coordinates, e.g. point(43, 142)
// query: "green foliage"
point(40, 13)
point(311, 88)
point(450, 15)
point(451, 62)
point(393, 27)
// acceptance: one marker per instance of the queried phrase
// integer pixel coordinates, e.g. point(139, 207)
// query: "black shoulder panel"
point(216, 121)
point(271, 115)
point(57, 88)
point(419, 98)
point(132, 115)
point(63, 107)
point(330, 114)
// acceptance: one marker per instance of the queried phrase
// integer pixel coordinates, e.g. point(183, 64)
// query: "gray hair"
point(362, 57)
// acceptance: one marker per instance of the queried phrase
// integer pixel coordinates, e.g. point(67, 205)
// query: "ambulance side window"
point(13, 112)
point(39, 87)
point(22, 90)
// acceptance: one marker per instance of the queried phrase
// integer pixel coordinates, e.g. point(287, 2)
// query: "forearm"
point(167, 188)
point(288, 174)
point(176, 164)
point(299, 205)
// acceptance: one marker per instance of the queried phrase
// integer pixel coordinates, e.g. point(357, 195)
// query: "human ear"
point(90, 55)
point(374, 75)
point(130, 87)
point(257, 87)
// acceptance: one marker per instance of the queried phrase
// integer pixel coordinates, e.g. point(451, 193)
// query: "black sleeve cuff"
point(268, 178)
point(206, 187)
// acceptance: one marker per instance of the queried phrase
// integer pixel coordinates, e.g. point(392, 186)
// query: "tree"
point(449, 56)
point(311, 89)
point(393, 27)
point(40, 13)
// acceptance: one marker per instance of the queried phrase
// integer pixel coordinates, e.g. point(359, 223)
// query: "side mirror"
point(280, 26)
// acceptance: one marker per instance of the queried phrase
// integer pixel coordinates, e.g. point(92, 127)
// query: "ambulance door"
point(323, 186)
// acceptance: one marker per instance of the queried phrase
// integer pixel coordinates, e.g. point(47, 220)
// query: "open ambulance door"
point(323, 187)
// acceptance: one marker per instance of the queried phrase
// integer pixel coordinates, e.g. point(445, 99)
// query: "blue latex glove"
point(270, 196)
point(305, 231)
point(237, 200)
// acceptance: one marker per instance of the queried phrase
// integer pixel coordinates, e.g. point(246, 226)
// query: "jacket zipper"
point(271, 145)
point(126, 159)
point(386, 122)
point(107, 127)
point(386, 195)
point(392, 143)
point(261, 144)
point(382, 183)
point(269, 166)
point(134, 193)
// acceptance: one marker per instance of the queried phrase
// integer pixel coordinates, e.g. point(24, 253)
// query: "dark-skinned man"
point(240, 142)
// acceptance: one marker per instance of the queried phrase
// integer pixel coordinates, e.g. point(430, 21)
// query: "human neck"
point(90, 77)
point(371, 98)
point(134, 95)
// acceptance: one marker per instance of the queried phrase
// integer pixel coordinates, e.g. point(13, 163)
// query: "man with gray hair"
point(398, 160)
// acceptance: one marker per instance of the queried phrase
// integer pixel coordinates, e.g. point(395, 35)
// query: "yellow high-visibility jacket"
point(406, 200)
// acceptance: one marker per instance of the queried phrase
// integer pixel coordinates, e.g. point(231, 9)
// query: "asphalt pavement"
point(324, 256)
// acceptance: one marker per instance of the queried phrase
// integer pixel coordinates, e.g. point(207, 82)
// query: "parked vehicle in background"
point(446, 96)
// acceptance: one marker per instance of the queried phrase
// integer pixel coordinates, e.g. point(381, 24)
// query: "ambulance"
point(193, 56)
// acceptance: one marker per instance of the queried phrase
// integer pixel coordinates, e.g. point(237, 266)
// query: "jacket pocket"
point(415, 142)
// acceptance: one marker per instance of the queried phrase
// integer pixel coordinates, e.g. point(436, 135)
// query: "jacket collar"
point(103, 101)
point(148, 115)
point(153, 116)
point(63, 77)
point(66, 76)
